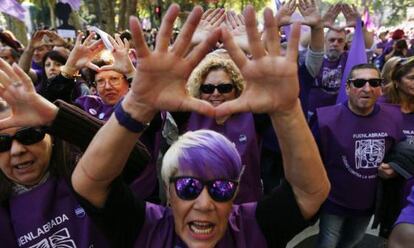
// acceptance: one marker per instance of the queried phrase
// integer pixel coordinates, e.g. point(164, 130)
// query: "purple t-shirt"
point(239, 129)
point(327, 83)
point(50, 216)
point(352, 148)
point(94, 106)
point(407, 214)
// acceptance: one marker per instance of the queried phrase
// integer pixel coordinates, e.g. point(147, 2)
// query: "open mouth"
point(24, 165)
point(201, 227)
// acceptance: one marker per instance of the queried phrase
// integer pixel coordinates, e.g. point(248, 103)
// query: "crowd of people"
point(220, 135)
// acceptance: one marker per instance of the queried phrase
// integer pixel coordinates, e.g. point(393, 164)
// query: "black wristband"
point(125, 120)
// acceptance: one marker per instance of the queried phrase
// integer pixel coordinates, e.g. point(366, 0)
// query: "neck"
point(361, 112)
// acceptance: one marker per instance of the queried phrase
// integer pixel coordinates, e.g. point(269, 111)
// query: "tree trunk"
point(123, 17)
point(108, 16)
point(132, 8)
point(75, 20)
point(52, 4)
point(18, 28)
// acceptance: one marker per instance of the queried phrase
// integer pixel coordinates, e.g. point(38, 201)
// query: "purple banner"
point(12, 8)
point(356, 56)
point(74, 4)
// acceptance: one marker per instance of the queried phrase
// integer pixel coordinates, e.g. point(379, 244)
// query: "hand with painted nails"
point(271, 80)
point(122, 62)
point(159, 83)
point(210, 20)
point(84, 52)
point(285, 13)
point(28, 108)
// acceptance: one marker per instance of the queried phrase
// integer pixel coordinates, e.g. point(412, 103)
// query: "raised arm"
point(159, 84)
point(272, 87)
point(25, 61)
point(236, 25)
point(122, 63)
point(351, 14)
point(312, 18)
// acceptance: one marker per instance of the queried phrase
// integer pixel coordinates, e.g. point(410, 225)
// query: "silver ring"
point(17, 84)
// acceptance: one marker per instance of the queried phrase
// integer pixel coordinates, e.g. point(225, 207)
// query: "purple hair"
point(203, 153)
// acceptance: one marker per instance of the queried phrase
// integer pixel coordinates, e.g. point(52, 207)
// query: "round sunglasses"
point(360, 82)
point(25, 136)
point(222, 88)
point(189, 188)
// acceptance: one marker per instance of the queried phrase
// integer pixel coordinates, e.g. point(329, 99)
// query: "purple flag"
point(278, 4)
point(356, 56)
point(74, 4)
point(368, 20)
point(12, 8)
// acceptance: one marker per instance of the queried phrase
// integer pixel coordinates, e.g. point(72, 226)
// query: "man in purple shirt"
point(353, 138)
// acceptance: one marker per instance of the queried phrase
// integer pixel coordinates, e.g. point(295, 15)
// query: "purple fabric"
point(352, 148)
point(242, 232)
point(326, 85)
point(356, 56)
point(94, 106)
point(407, 214)
point(13, 8)
point(50, 216)
point(240, 130)
point(7, 237)
point(74, 4)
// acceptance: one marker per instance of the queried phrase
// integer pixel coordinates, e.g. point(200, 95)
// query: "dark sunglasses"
point(25, 136)
point(189, 188)
point(222, 88)
point(360, 82)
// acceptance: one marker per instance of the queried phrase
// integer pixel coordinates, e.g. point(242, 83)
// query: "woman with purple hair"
point(201, 171)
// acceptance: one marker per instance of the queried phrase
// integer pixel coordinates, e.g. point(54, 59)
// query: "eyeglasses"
point(360, 82)
point(25, 136)
point(114, 81)
point(222, 88)
point(189, 188)
point(405, 60)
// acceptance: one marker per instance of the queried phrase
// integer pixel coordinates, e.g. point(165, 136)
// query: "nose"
point(107, 85)
point(204, 201)
point(17, 148)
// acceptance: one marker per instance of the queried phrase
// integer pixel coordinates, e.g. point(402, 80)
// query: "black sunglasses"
point(189, 188)
point(25, 136)
point(360, 82)
point(222, 88)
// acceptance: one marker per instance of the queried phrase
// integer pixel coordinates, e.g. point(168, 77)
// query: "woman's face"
point(52, 68)
point(215, 78)
point(201, 222)
point(25, 164)
point(407, 83)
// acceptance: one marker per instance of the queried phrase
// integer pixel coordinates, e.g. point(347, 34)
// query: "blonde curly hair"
point(214, 61)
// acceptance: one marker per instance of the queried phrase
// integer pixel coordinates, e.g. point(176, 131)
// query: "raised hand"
point(37, 39)
point(55, 39)
point(351, 14)
point(159, 83)
point(330, 16)
point(210, 20)
point(84, 52)
point(310, 13)
point(28, 107)
point(285, 12)
point(122, 63)
point(271, 80)
point(236, 26)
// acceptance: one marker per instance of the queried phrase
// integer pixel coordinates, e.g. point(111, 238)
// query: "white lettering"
point(42, 230)
point(369, 135)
